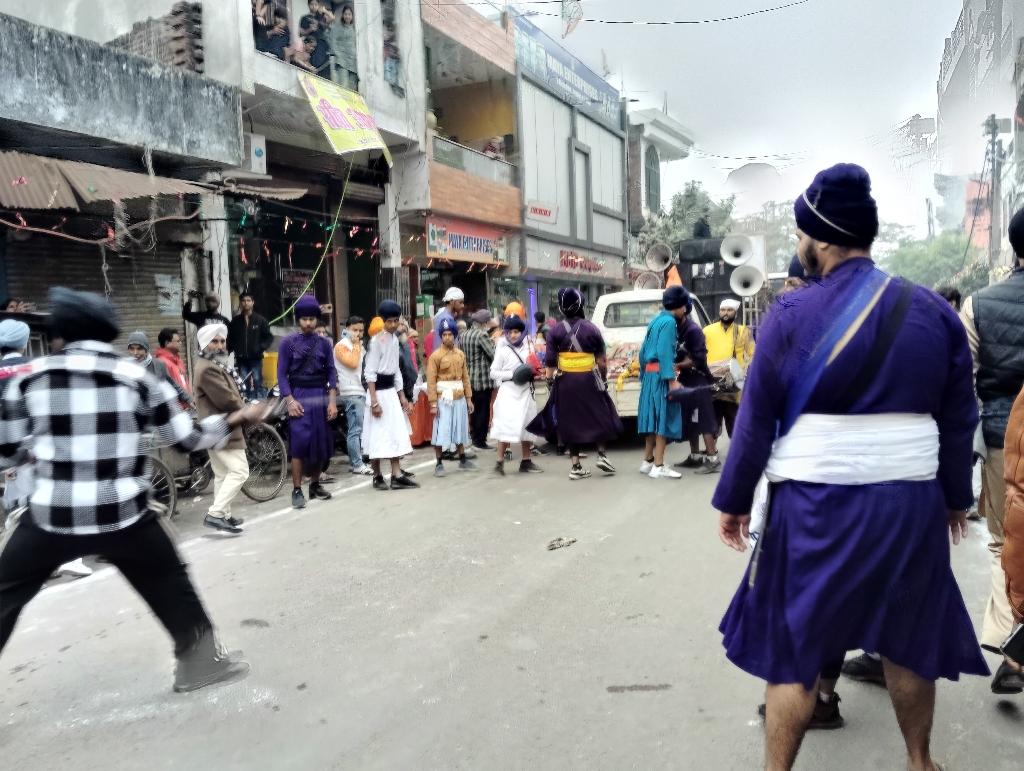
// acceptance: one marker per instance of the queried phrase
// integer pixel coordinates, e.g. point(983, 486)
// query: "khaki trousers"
point(230, 470)
point(998, 618)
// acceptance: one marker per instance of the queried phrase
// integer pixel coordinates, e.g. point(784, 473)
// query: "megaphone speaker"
point(737, 250)
point(647, 280)
point(746, 281)
point(658, 257)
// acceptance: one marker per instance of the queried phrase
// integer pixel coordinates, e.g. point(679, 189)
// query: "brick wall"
point(458, 194)
point(471, 30)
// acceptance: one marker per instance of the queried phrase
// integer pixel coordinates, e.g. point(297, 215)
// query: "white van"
point(622, 318)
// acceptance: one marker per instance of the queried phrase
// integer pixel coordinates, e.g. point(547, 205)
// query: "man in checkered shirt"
point(84, 415)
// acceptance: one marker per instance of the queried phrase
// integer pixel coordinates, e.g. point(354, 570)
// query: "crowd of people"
point(326, 33)
point(847, 476)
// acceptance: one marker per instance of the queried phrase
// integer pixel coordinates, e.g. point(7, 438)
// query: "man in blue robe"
point(658, 420)
point(860, 412)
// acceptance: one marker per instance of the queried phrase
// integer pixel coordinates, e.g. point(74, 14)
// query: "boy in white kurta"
point(514, 406)
point(385, 423)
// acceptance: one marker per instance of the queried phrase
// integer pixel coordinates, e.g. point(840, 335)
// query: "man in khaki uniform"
point(218, 389)
point(994, 318)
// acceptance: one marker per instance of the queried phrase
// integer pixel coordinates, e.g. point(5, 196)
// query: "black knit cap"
point(78, 316)
point(1016, 232)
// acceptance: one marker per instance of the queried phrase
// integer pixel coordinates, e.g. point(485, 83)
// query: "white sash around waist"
point(447, 389)
point(857, 449)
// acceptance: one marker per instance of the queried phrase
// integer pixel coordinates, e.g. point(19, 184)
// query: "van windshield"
point(631, 314)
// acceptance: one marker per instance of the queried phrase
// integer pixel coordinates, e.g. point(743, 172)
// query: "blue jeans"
point(353, 407)
point(251, 372)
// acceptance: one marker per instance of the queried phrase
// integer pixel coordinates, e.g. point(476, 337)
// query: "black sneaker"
point(1007, 680)
point(380, 484)
point(448, 455)
point(222, 524)
point(529, 467)
point(826, 715)
point(711, 465)
point(499, 468)
point(578, 472)
point(604, 464)
point(406, 473)
point(402, 483)
point(236, 521)
point(317, 491)
point(206, 665)
point(298, 499)
point(865, 669)
point(691, 462)
point(484, 447)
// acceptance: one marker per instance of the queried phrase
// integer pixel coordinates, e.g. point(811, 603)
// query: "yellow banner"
point(346, 120)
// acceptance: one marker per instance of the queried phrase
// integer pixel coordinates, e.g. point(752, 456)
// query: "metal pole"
point(995, 209)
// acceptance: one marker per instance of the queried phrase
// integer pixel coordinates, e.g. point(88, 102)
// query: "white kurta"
point(385, 437)
point(514, 406)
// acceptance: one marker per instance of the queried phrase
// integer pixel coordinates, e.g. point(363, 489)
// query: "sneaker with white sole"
point(578, 472)
point(363, 471)
point(604, 464)
point(646, 466)
point(664, 472)
point(75, 568)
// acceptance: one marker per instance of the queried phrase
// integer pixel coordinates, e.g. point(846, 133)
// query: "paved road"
point(435, 630)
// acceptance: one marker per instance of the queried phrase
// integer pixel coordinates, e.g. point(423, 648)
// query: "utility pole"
point(992, 129)
point(931, 219)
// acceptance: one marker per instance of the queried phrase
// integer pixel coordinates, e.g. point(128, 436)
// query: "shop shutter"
point(41, 262)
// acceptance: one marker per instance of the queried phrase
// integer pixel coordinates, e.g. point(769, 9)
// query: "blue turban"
point(82, 316)
point(447, 324)
point(570, 302)
point(838, 208)
point(675, 297)
point(389, 309)
point(514, 322)
point(307, 307)
point(13, 334)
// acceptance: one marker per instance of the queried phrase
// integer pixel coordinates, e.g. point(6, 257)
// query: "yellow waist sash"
point(576, 362)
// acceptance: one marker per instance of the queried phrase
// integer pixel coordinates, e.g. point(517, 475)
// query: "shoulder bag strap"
point(879, 350)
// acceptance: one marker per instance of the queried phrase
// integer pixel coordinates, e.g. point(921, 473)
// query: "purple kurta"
point(306, 371)
point(849, 567)
point(578, 410)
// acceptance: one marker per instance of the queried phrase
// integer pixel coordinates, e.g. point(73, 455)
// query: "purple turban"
point(307, 307)
point(675, 297)
point(838, 208)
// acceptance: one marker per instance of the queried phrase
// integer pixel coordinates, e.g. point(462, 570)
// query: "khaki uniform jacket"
point(445, 364)
point(217, 394)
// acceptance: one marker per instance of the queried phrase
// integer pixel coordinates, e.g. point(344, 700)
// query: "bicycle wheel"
point(162, 490)
point(268, 462)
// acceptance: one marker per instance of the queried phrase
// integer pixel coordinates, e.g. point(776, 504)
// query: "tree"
point(946, 259)
point(777, 224)
point(686, 209)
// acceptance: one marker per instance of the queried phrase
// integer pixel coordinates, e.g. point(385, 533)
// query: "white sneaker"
point(664, 472)
point(76, 568)
point(646, 466)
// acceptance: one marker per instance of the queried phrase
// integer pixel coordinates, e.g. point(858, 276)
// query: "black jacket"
point(999, 319)
point(249, 341)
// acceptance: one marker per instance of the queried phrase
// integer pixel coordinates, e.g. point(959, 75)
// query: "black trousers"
point(143, 552)
point(480, 420)
point(725, 413)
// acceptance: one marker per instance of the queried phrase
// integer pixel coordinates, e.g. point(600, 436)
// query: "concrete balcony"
point(471, 161)
point(467, 184)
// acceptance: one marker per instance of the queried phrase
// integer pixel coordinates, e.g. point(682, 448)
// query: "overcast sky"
point(825, 81)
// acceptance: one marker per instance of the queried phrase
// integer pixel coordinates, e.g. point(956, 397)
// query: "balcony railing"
point(472, 162)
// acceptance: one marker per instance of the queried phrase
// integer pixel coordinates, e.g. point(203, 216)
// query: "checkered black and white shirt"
point(86, 415)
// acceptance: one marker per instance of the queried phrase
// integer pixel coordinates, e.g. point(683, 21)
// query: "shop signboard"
point(564, 75)
point(344, 117)
point(542, 211)
point(462, 241)
point(294, 282)
point(582, 264)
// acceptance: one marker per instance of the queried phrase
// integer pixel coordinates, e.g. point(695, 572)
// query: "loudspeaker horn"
point(737, 250)
point(658, 257)
point(648, 280)
point(746, 281)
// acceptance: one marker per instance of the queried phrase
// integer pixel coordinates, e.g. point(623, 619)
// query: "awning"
point(261, 190)
point(35, 182)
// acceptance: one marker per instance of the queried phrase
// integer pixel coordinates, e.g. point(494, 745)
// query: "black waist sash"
point(385, 382)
